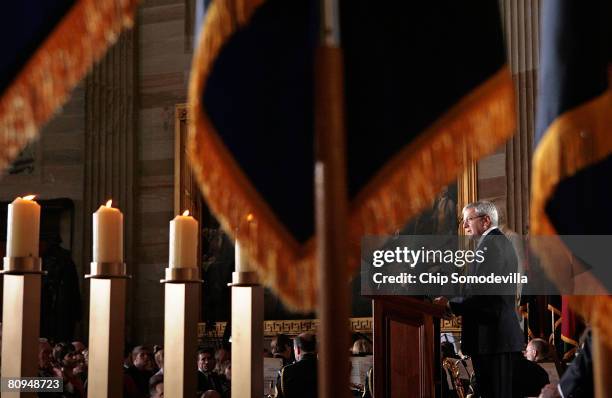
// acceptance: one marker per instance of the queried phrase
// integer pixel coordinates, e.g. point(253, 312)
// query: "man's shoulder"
point(495, 231)
point(496, 238)
point(299, 366)
point(496, 234)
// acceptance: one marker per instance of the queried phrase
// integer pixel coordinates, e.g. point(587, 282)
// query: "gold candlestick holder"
point(247, 335)
point(22, 266)
point(20, 318)
point(244, 278)
point(182, 275)
point(106, 328)
point(181, 313)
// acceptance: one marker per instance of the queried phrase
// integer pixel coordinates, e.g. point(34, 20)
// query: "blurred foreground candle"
point(240, 258)
point(108, 235)
point(23, 227)
point(183, 241)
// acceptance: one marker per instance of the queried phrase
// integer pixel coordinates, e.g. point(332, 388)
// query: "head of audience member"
point(142, 358)
point(65, 356)
point(156, 387)
point(159, 358)
point(45, 353)
point(222, 359)
point(211, 394)
point(79, 347)
point(361, 347)
point(206, 360)
point(537, 350)
point(281, 346)
point(305, 343)
point(222, 355)
point(478, 217)
point(228, 372)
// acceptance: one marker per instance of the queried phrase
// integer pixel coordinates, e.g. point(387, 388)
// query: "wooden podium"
point(406, 347)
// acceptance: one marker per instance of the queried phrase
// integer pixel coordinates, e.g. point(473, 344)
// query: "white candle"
point(183, 241)
point(23, 228)
point(108, 235)
point(242, 263)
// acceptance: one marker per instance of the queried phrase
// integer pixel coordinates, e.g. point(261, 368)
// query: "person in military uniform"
point(299, 380)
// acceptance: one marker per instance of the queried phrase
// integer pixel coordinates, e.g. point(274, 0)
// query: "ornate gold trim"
point(450, 326)
point(290, 327)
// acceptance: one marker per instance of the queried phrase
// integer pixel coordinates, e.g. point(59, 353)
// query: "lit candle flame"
point(29, 197)
point(109, 203)
point(250, 217)
point(186, 213)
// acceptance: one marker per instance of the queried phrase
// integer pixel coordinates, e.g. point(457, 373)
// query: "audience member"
point(281, 348)
point(222, 356)
point(577, 381)
point(528, 378)
point(79, 347)
point(159, 360)
point(156, 390)
point(65, 359)
point(227, 380)
point(45, 363)
point(299, 380)
point(537, 350)
point(207, 379)
point(228, 372)
point(80, 368)
point(211, 394)
point(139, 373)
point(367, 389)
point(361, 347)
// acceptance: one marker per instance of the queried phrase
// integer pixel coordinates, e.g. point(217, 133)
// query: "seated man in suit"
point(537, 350)
point(577, 381)
point(207, 378)
point(299, 380)
point(490, 332)
point(529, 377)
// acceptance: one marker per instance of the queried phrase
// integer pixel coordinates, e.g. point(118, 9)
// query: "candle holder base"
point(182, 275)
point(181, 310)
point(107, 298)
point(247, 340)
point(248, 278)
point(22, 266)
point(20, 326)
point(101, 270)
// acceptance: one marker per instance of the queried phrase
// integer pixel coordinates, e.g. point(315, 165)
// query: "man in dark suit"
point(577, 381)
point(490, 331)
point(299, 380)
point(207, 378)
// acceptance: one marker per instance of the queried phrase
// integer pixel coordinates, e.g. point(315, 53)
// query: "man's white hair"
point(483, 207)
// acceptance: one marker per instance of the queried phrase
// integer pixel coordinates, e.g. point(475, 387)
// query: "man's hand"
point(549, 391)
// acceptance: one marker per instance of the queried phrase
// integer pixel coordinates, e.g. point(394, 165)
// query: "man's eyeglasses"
point(470, 219)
